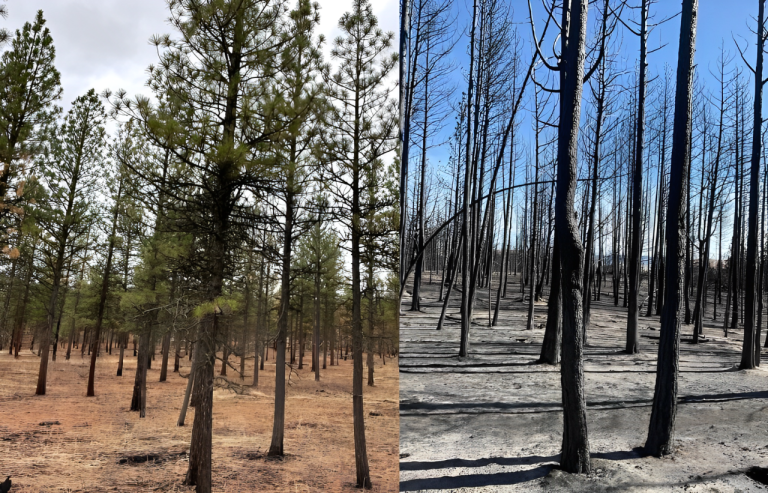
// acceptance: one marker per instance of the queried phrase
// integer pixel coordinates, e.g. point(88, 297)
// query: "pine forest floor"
point(66, 442)
point(493, 422)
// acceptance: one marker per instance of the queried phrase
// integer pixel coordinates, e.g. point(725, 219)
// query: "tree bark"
point(661, 427)
point(748, 347)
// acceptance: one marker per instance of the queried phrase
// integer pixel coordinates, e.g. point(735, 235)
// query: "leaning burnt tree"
point(661, 427)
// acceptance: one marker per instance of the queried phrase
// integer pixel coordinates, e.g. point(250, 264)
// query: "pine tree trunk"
point(166, 349)
point(660, 430)
point(278, 427)
point(748, 347)
point(637, 197)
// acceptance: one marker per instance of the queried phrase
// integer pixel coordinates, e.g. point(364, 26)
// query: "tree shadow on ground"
point(635, 453)
point(502, 461)
point(498, 407)
point(544, 464)
point(475, 480)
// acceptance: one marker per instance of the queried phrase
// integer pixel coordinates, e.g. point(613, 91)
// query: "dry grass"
point(83, 452)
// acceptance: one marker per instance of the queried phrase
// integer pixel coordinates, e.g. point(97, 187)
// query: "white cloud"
point(104, 44)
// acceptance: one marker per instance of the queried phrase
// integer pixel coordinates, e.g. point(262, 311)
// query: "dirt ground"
point(66, 442)
point(493, 422)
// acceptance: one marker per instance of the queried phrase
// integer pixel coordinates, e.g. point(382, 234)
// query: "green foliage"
point(4, 34)
point(72, 166)
point(29, 85)
point(221, 305)
point(361, 121)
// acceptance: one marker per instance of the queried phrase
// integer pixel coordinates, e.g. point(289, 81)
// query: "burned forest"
point(583, 266)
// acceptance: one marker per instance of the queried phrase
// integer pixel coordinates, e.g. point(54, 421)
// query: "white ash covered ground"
point(493, 422)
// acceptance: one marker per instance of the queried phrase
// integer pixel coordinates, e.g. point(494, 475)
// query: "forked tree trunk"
point(575, 449)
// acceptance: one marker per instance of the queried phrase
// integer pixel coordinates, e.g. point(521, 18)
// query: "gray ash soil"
point(493, 422)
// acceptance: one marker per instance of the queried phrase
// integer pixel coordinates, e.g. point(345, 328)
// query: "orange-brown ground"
point(83, 452)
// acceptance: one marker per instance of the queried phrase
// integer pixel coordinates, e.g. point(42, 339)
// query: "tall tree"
point(29, 87)
point(750, 341)
point(215, 108)
point(660, 430)
point(363, 121)
point(575, 449)
point(72, 166)
point(301, 62)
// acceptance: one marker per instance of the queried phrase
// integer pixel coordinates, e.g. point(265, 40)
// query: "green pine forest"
point(245, 204)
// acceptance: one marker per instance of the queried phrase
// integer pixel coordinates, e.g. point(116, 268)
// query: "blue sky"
point(719, 22)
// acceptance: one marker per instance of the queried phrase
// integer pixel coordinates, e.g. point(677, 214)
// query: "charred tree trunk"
point(748, 347)
point(637, 195)
point(660, 430)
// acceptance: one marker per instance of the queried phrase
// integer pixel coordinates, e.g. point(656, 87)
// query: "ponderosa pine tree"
point(71, 167)
point(362, 122)
point(29, 87)
point(217, 110)
point(301, 62)
point(117, 188)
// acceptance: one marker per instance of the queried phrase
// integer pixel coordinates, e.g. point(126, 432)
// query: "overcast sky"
point(104, 44)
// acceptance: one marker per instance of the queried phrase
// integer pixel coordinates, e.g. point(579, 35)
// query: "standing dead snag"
point(466, 304)
point(637, 192)
point(661, 427)
point(575, 450)
point(748, 359)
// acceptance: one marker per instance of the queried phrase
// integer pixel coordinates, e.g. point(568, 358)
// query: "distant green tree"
point(318, 256)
